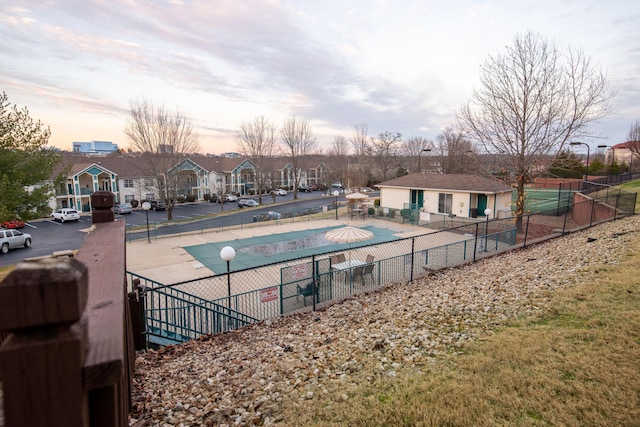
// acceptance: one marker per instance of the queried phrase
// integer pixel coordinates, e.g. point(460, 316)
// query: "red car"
point(14, 223)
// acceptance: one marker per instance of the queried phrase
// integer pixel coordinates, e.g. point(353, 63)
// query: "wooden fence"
point(68, 359)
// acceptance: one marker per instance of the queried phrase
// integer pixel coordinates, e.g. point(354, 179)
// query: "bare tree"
point(339, 147)
point(339, 153)
point(164, 139)
point(532, 100)
point(360, 140)
point(633, 137)
point(413, 148)
point(454, 151)
point(257, 140)
point(299, 141)
point(385, 150)
point(359, 165)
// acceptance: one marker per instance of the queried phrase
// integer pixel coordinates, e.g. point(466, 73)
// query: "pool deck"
point(166, 261)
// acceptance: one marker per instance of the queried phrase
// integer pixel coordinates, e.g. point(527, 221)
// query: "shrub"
point(191, 198)
point(376, 203)
point(134, 203)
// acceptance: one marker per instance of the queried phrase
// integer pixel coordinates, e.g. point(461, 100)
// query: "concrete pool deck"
point(165, 260)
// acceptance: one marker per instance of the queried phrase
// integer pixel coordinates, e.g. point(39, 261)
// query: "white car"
point(10, 239)
point(280, 192)
point(65, 214)
point(230, 197)
point(247, 203)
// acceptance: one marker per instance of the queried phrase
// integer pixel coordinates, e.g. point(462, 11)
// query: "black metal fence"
point(186, 310)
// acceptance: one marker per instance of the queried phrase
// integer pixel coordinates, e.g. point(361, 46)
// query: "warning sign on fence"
point(269, 294)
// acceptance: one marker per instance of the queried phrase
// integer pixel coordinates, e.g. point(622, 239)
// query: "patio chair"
point(367, 271)
point(370, 258)
point(306, 291)
point(341, 258)
point(358, 273)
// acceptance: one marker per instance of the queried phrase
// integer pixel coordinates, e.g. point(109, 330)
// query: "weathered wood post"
point(42, 303)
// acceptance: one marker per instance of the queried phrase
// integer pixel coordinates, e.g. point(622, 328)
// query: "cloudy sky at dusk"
point(397, 65)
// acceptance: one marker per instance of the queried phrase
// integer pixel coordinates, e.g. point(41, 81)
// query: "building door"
point(482, 204)
point(417, 199)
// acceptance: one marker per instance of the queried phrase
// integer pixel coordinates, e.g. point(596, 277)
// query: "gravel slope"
point(239, 378)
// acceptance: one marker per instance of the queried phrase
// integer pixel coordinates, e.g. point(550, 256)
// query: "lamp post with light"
point(487, 213)
point(228, 254)
point(336, 193)
point(146, 206)
point(587, 169)
point(424, 150)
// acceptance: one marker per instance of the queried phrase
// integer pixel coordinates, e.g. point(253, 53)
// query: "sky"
point(395, 65)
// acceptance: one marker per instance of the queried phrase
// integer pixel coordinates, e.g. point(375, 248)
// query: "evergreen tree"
point(26, 164)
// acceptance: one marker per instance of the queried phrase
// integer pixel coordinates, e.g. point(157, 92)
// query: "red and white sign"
point(269, 294)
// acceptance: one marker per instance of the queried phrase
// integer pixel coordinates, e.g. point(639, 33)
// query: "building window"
point(149, 196)
point(128, 183)
point(148, 183)
point(444, 203)
point(128, 198)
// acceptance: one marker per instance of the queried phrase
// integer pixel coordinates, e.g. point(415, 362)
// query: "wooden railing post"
point(41, 362)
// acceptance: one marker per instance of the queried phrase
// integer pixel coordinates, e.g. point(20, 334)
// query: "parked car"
point(314, 187)
point(65, 214)
point(230, 197)
point(214, 198)
point(123, 208)
point(366, 189)
point(11, 239)
point(14, 223)
point(157, 205)
point(267, 216)
point(247, 203)
point(304, 188)
point(280, 192)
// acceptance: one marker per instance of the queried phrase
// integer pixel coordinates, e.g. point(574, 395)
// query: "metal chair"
point(367, 271)
point(341, 258)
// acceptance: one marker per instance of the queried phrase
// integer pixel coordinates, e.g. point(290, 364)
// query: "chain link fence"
point(182, 311)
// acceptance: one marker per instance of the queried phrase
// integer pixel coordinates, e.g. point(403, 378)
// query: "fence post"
point(413, 254)
point(593, 205)
point(314, 284)
point(41, 303)
point(475, 243)
point(526, 231)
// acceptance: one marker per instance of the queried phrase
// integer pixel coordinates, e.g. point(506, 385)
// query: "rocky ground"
point(241, 378)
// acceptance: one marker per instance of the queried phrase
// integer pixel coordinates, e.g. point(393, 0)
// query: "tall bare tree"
point(298, 139)
point(634, 138)
point(257, 140)
point(359, 164)
point(360, 140)
point(533, 99)
point(339, 165)
point(164, 138)
point(385, 150)
point(413, 147)
point(454, 151)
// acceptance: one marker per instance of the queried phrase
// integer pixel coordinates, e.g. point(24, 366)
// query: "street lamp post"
point(336, 193)
point(425, 150)
point(487, 213)
point(146, 206)
point(587, 169)
point(228, 254)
